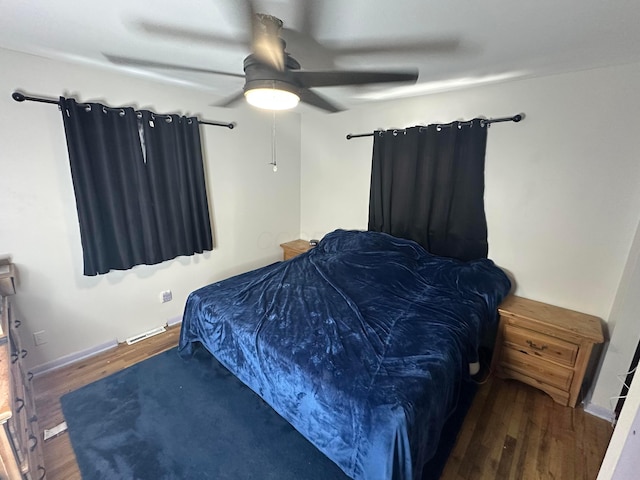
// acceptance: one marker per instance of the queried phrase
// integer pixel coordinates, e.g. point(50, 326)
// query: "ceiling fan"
point(274, 80)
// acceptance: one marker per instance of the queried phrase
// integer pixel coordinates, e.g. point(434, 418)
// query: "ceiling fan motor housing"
point(259, 75)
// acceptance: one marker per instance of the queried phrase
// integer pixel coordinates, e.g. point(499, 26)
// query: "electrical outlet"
point(40, 337)
point(165, 296)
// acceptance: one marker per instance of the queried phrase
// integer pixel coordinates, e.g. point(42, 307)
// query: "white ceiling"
point(471, 42)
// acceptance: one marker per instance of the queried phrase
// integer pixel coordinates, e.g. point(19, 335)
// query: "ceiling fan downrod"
point(271, 23)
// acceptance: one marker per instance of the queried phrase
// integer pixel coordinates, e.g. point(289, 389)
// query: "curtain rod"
point(21, 97)
point(483, 122)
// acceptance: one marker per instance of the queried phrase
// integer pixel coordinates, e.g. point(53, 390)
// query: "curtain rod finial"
point(18, 97)
point(518, 117)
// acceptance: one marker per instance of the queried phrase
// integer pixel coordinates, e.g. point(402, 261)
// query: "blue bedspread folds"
point(361, 343)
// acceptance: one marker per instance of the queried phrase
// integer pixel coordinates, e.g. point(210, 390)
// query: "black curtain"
point(139, 185)
point(427, 185)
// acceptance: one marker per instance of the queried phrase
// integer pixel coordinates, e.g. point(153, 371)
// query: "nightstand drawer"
point(545, 346)
point(540, 345)
point(543, 371)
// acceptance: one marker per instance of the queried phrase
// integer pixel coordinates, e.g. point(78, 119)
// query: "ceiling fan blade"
point(229, 101)
point(309, 17)
point(305, 46)
point(351, 77)
point(135, 62)
point(312, 98)
point(164, 30)
point(444, 45)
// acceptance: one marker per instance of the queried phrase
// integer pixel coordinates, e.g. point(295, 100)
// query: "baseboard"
point(88, 353)
point(73, 357)
point(600, 412)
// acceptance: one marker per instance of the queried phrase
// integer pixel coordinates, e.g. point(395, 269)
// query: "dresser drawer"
point(541, 345)
point(532, 366)
point(20, 450)
point(18, 424)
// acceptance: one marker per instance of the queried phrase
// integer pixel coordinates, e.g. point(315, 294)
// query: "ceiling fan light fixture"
point(271, 98)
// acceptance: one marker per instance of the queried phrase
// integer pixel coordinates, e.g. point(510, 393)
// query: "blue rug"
point(166, 419)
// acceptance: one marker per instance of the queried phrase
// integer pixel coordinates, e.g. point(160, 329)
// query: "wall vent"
point(145, 335)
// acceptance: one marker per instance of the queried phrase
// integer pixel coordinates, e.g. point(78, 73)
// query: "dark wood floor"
point(512, 431)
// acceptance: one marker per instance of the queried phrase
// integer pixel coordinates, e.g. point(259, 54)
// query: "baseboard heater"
point(55, 431)
point(145, 335)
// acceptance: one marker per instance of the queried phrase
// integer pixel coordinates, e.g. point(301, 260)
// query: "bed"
point(361, 344)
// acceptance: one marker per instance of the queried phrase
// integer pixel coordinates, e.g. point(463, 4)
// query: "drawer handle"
point(29, 376)
point(537, 347)
point(21, 406)
point(14, 357)
point(44, 472)
point(16, 322)
point(34, 439)
point(24, 353)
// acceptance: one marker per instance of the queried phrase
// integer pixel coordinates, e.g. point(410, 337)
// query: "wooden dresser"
point(20, 446)
point(545, 346)
point(294, 248)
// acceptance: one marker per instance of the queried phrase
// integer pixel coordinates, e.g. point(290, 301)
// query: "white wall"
point(253, 209)
point(622, 462)
point(624, 328)
point(562, 187)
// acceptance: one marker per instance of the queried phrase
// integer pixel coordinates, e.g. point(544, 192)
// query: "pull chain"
point(273, 144)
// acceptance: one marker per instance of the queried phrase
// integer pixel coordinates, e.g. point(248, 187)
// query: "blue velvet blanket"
point(361, 343)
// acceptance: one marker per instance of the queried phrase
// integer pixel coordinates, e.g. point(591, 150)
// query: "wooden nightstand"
point(294, 248)
point(545, 346)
